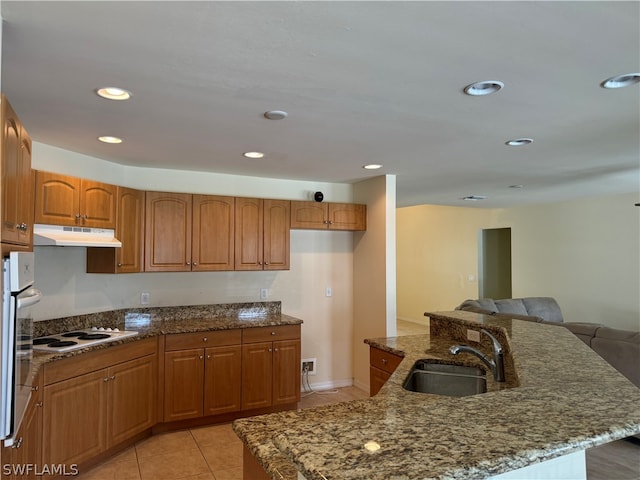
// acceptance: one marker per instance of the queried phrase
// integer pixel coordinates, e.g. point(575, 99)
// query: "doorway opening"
point(494, 263)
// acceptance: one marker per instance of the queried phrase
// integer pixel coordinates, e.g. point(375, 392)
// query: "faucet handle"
point(497, 348)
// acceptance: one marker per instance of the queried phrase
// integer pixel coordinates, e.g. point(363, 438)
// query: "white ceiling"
point(363, 82)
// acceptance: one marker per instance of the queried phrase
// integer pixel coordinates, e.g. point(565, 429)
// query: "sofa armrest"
point(621, 348)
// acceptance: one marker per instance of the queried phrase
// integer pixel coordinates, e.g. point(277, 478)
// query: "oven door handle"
point(33, 296)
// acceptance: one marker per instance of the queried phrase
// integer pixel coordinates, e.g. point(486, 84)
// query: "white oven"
point(16, 330)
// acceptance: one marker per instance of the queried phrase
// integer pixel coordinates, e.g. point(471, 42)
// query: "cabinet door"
point(57, 199)
point(257, 366)
point(97, 204)
point(74, 426)
point(276, 233)
point(309, 215)
point(17, 185)
point(248, 244)
point(131, 398)
point(25, 195)
point(286, 372)
point(167, 232)
point(28, 449)
point(213, 233)
point(130, 230)
point(183, 384)
point(377, 378)
point(11, 174)
point(347, 216)
point(222, 380)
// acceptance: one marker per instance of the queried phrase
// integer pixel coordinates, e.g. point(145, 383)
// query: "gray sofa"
point(621, 348)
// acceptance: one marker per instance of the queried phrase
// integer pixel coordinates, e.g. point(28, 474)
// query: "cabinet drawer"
point(384, 360)
point(182, 341)
point(268, 334)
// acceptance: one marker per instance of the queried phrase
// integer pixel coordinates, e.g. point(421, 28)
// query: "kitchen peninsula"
point(560, 399)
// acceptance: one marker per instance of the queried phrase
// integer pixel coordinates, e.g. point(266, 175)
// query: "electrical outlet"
point(328, 292)
point(473, 335)
point(264, 293)
point(144, 298)
point(308, 366)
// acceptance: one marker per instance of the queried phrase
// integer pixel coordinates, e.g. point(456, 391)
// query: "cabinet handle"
point(204, 339)
point(200, 357)
point(119, 265)
point(35, 388)
point(275, 349)
point(105, 379)
point(39, 404)
point(188, 263)
point(273, 333)
point(195, 264)
point(271, 350)
point(18, 444)
point(266, 263)
point(209, 357)
point(21, 226)
point(384, 361)
point(113, 377)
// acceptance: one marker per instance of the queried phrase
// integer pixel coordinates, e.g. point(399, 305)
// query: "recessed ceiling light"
point(519, 142)
point(620, 81)
point(516, 186)
point(253, 154)
point(372, 166)
point(486, 87)
point(110, 139)
point(275, 114)
point(113, 93)
point(474, 198)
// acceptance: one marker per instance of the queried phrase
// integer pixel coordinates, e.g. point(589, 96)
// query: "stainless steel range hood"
point(62, 236)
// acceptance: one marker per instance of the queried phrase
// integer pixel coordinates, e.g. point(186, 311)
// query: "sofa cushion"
point(543, 307)
point(482, 305)
point(584, 331)
point(621, 348)
point(511, 305)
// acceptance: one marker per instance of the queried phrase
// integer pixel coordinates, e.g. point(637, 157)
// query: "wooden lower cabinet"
point(74, 424)
point(270, 369)
point(24, 458)
point(381, 365)
point(202, 381)
point(86, 414)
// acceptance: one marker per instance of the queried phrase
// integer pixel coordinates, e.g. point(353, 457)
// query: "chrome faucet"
point(496, 365)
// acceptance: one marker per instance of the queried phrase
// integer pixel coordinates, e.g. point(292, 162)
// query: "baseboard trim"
point(414, 320)
point(318, 386)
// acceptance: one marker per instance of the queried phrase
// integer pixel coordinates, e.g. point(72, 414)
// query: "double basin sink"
point(444, 379)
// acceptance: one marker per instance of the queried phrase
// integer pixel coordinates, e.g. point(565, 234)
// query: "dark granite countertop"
point(560, 398)
point(154, 321)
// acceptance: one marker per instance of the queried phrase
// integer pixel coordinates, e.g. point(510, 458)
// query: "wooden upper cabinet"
point(97, 204)
point(262, 234)
point(17, 185)
point(213, 233)
point(248, 244)
point(130, 231)
point(167, 232)
point(65, 200)
point(331, 216)
point(276, 237)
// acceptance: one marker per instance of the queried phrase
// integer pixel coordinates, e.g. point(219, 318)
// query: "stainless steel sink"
point(444, 379)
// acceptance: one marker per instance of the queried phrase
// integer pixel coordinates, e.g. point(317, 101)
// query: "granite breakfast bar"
point(560, 399)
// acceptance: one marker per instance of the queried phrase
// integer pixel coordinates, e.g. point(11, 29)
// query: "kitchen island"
point(560, 399)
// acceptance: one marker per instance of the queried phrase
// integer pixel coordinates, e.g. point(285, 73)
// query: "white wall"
point(319, 259)
point(585, 253)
